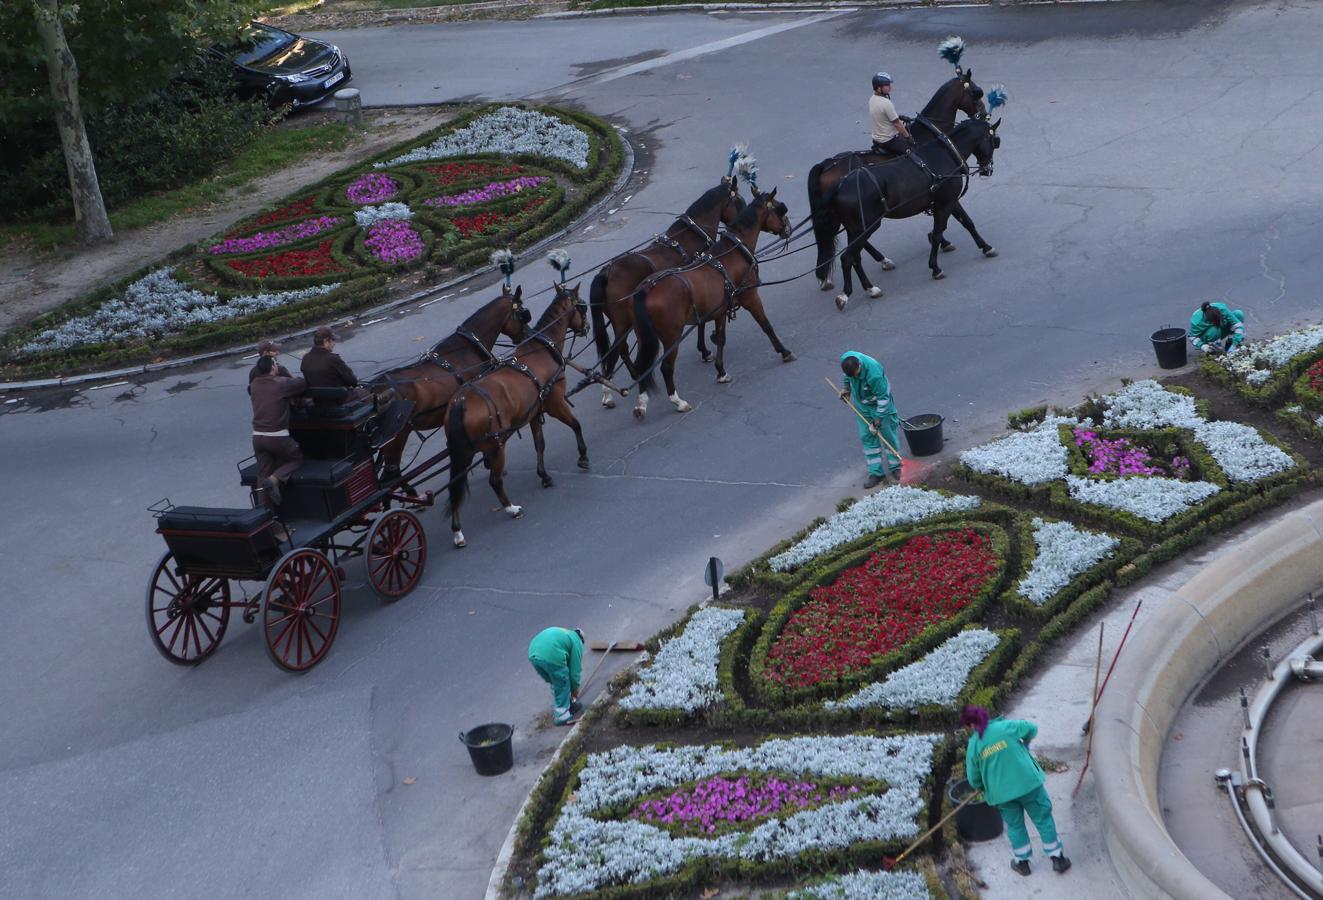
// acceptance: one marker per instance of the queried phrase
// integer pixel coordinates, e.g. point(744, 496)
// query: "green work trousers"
point(874, 450)
point(1038, 806)
point(558, 676)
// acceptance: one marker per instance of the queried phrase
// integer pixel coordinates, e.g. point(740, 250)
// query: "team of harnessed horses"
point(701, 270)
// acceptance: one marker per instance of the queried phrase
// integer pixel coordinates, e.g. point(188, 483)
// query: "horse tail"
point(825, 225)
point(597, 305)
point(462, 452)
point(649, 341)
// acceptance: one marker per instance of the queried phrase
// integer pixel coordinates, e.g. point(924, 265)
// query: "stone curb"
point(1179, 645)
point(626, 171)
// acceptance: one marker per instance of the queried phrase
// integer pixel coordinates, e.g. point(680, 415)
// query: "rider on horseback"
point(889, 132)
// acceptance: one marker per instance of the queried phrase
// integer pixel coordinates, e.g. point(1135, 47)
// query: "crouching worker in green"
point(998, 762)
point(557, 656)
point(1214, 327)
point(867, 388)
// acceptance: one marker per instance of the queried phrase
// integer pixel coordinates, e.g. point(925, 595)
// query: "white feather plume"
point(746, 167)
point(559, 260)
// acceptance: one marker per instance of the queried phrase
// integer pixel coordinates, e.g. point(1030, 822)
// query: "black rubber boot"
point(1060, 864)
point(873, 481)
point(1021, 866)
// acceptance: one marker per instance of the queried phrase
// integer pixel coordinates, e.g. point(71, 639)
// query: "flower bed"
point(446, 174)
point(508, 130)
point(1063, 552)
point(372, 187)
point(487, 192)
point(1263, 370)
point(592, 847)
point(394, 242)
point(1031, 457)
point(1124, 457)
point(313, 262)
point(266, 240)
point(736, 802)
point(683, 674)
point(864, 885)
point(936, 680)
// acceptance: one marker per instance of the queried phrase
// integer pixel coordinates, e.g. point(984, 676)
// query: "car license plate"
point(334, 80)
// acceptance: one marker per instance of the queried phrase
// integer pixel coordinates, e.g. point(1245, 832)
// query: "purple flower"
point(372, 188)
point(487, 192)
point(394, 241)
point(264, 240)
point(717, 800)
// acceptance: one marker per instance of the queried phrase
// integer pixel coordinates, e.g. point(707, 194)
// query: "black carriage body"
point(219, 542)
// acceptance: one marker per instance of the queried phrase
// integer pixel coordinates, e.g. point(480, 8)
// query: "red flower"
point(449, 173)
point(1316, 377)
point(294, 210)
point(310, 261)
point(880, 606)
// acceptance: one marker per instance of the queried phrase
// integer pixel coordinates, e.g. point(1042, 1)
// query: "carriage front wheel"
point(300, 609)
point(396, 553)
point(186, 614)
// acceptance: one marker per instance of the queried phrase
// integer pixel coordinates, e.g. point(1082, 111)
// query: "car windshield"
point(256, 42)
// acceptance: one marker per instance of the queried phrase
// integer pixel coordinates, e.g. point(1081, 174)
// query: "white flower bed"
point(1064, 551)
point(586, 854)
point(683, 675)
point(1029, 457)
point(1241, 451)
point(1147, 404)
point(1151, 497)
point(864, 885)
point(157, 305)
point(508, 130)
point(938, 678)
point(1319, 421)
point(897, 505)
point(1256, 361)
point(371, 215)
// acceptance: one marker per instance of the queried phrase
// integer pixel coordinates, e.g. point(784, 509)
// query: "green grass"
point(271, 150)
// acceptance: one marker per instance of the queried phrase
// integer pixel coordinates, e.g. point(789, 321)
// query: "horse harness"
point(496, 429)
point(731, 289)
point(667, 241)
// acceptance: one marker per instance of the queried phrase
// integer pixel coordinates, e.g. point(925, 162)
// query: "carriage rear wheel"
point(396, 554)
point(301, 609)
point(186, 614)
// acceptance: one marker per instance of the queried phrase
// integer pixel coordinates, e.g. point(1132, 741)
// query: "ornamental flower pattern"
point(721, 802)
point(372, 187)
point(508, 130)
point(683, 675)
point(394, 242)
point(1062, 553)
point(1030, 457)
point(306, 262)
point(1256, 361)
point(1155, 499)
point(487, 192)
point(265, 240)
point(864, 885)
point(935, 680)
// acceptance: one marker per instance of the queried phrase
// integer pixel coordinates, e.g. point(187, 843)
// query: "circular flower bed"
point(372, 188)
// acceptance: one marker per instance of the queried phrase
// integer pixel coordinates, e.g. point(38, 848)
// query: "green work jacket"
point(559, 647)
point(999, 763)
point(870, 392)
point(1203, 331)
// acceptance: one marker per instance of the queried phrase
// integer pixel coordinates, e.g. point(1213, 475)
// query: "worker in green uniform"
point(998, 762)
point(1214, 327)
point(867, 388)
point(557, 656)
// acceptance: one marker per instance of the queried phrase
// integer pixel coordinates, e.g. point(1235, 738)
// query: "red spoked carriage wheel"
point(301, 609)
point(186, 614)
point(395, 554)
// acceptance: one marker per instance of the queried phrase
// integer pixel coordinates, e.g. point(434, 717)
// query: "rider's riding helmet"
point(880, 79)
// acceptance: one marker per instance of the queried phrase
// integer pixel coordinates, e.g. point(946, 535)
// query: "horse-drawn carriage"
point(334, 508)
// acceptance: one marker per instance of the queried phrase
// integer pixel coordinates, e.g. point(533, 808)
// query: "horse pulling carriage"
point(333, 509)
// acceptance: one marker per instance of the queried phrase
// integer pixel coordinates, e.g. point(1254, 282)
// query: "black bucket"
point(923, 434)
point(1169, 345)
point(490, 747)
point(977, 821)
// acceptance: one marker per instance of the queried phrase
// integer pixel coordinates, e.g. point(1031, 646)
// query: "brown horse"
point(614, 285)
point(433, 379)
point(517, 392)
point(959, 94)
point(711, 289)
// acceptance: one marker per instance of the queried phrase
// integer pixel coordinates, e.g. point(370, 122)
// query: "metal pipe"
point(1306, 668)
point(1227, 780)
point(1267, 662)
point(1313, 614)
point(1244, 709)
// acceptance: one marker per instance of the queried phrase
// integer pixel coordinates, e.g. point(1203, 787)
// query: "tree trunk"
point(91, 223)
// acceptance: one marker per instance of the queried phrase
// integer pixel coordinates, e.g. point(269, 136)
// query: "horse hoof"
point(640, 412)
point(887, 265)
point(515, 512)
point(724, 379)
point(841, 300)
point(875, 292)
point(707, 357)
point(947, 246)
point(460, 543)
point(938, 275)
point(681, 406)
point(583, 464)
point(788, 357)
point(824, 284)
point(990, 253)
point(547, 482)
point(609, 402)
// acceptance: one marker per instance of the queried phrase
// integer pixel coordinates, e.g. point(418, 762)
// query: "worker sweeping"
point(557, 656)
point(998, 762)
point(867, 389)
point(1215, 327)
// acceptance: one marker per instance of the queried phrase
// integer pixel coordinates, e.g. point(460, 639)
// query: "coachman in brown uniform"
point(323, 368)
point(278, 454)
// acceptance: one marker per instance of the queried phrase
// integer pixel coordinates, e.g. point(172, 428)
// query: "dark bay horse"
point(433, 379)
point(932, 179)
point(711, 289)
point(959, 94)
point(486, 410)
point(609, 295)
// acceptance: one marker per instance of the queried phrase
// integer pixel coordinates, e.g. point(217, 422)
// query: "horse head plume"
point(996, 97)
point(560, 261)
point(746, 167)
point(951, 50)
point(505, 261)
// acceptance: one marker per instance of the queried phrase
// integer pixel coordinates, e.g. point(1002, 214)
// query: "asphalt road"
point(1153, 155)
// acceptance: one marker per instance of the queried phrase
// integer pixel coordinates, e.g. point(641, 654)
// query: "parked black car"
point(283, 67)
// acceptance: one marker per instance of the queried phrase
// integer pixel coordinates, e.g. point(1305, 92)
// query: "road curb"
point(626, 172)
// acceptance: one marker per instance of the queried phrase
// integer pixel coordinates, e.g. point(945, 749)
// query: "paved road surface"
point(1154, 155)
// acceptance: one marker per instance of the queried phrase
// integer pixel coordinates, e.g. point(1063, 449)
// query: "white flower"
point(938, 678)
point(508, 130)
point(586, 853)
point(864, 885)
point(1256, 361)
point(1319, 421)
point(683, 675)
point(890, 506)
point(1029, 457)
point(1064, 551)
point(1147, 404)
point(371, 215)
point(1149, 497)
point(157, 305)
point(1294, 408)
point(1241, 451)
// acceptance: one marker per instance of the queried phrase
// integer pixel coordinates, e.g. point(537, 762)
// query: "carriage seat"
point(217, 519)
point(313, 473)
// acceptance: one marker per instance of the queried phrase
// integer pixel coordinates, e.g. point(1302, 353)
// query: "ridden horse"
point(711, 289)
point(433, 379)
point(516, 392)
point(932, 178)
point(614, 285)
point(959, 94)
